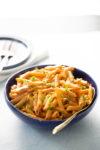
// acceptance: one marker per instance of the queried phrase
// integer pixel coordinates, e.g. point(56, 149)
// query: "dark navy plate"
point(45, 123)
point(21, 49)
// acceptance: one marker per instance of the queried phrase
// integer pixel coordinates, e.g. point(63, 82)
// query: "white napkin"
point(34, 58)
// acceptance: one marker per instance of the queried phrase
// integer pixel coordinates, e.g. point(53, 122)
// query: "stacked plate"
point(23, 55)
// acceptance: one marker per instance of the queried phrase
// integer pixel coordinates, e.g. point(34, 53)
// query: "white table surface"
point(81, 50)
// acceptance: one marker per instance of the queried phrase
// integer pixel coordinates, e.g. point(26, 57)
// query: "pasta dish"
point(50, 93)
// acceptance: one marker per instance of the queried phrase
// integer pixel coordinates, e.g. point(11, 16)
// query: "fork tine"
point(7, 57)
point(4, 46)
point(10, 46)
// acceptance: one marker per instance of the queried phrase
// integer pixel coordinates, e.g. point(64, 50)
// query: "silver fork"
point(6, 56)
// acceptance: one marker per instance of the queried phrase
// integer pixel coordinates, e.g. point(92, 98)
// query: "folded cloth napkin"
point(34, 58)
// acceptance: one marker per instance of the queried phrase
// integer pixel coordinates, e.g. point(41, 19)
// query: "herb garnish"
point(43, 71)
point(83, 87)
point(67, 98)
point(62, 112)
point(25, 81)
point(52, 85)
point(31, 86)
point(24, 103)
point(28, 100)
point(85, 98)
point(29, 107)
point(62, 95)
point(33, 77)
point(43, 81)
point(66, 88)
point(51, 107)
point(16, 106)
point(48, 96)
point(36, 68)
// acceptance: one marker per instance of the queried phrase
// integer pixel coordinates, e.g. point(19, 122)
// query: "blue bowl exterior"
point(45, 123)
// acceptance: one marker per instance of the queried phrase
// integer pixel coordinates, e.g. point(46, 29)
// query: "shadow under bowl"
point(45, 123)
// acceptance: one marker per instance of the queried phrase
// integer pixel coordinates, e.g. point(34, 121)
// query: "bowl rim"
point(40, 66)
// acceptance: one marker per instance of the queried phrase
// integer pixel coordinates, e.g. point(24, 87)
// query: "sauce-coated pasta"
point(50, 93)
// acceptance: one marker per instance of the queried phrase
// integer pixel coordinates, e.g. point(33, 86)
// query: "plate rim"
point(22, 41)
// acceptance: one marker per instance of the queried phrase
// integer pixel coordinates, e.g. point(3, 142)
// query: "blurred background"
point(69, 32)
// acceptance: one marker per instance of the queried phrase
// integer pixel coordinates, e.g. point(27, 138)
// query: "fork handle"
point(62, 125)
point(3, 62)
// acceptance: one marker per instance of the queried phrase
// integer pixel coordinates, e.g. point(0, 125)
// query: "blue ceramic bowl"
point(45, 123)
